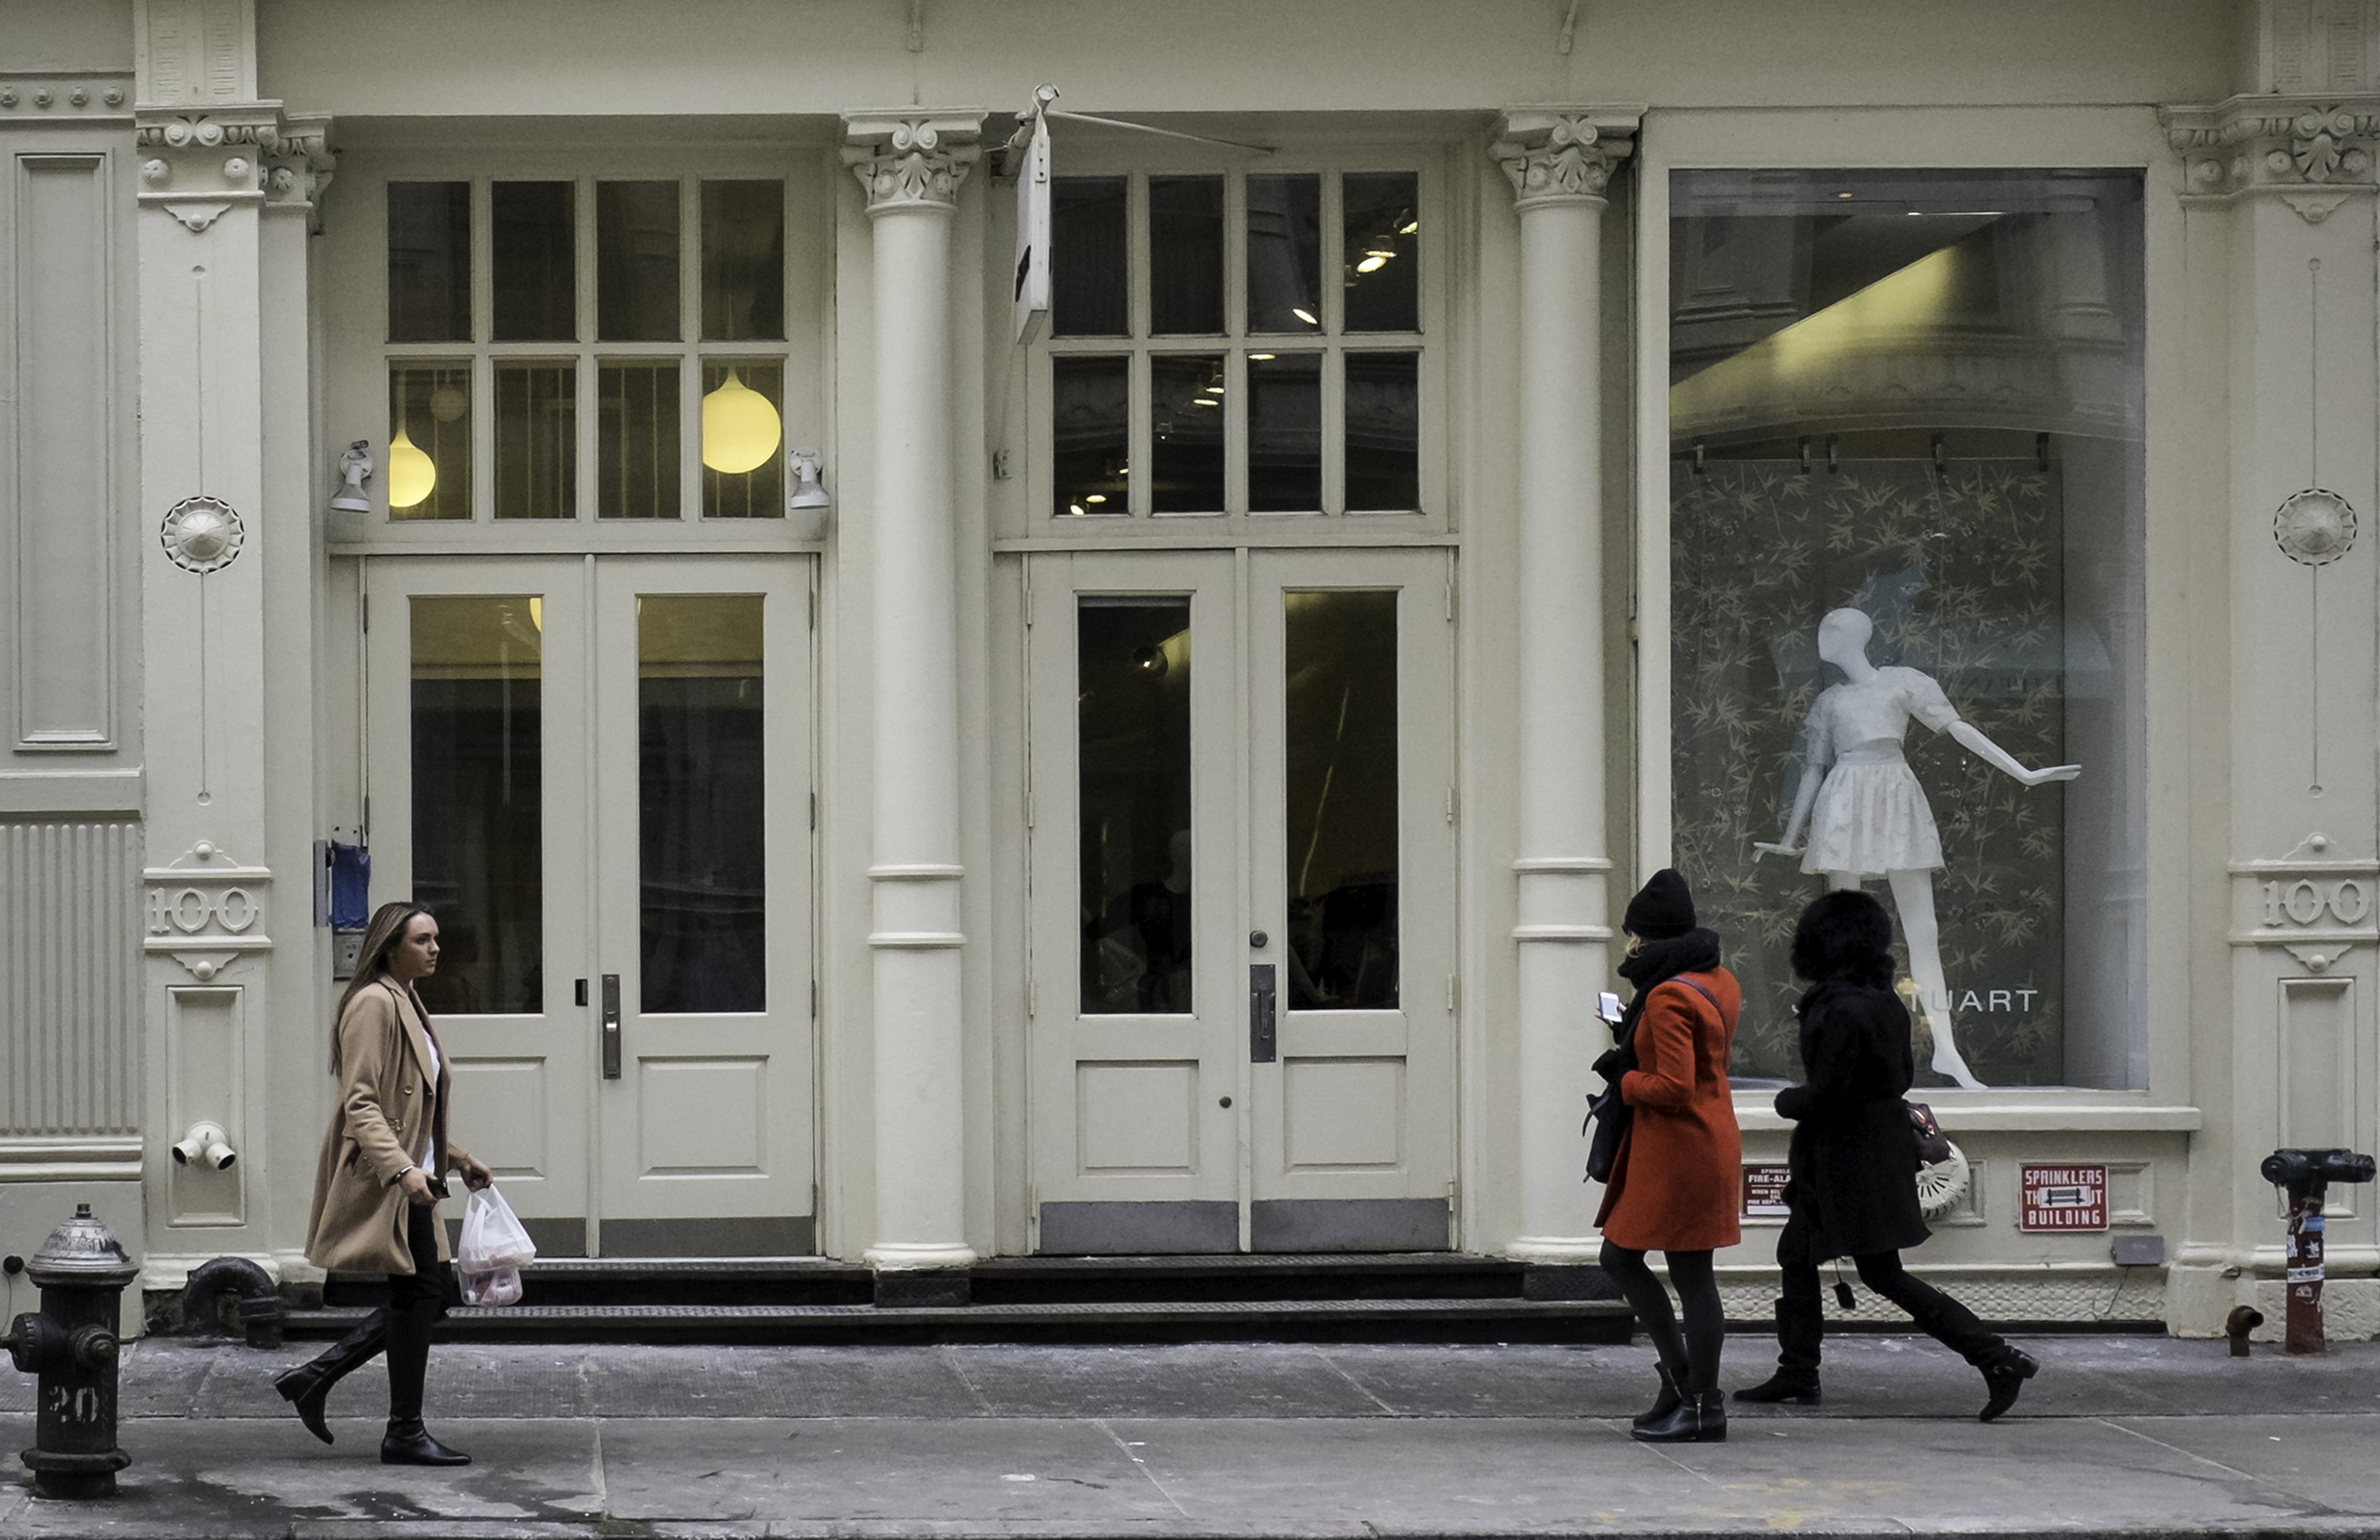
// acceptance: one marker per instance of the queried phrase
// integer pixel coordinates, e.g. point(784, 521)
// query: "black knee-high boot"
point(417, 1304)
point(1800, 1329)
point(308, 1386)
point(407, 1442)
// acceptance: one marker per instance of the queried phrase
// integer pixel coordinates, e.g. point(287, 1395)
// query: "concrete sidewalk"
point(2128, 1436)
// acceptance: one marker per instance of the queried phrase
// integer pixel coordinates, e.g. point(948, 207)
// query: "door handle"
point(1263, 1042)
point(611, 1026)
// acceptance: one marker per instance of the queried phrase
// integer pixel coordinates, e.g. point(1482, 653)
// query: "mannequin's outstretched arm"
point(1805, 796)
point(2000, 759)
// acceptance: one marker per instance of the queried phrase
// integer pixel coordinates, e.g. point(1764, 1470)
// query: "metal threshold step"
point(1380, 1319)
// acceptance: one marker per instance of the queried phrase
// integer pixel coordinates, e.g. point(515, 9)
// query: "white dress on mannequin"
point(1871, 816)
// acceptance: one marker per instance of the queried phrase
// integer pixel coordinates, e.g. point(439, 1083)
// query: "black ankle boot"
point(409, 1443)
point(1800, 1387)
point(2004, 1376)
point(1700, 1419)
point(308, 1386)
point(1663, 1403)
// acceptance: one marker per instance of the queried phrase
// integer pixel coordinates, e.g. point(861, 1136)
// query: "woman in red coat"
point(1673, 1184)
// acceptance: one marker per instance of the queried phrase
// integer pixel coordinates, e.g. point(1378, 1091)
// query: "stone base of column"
point(1555, 1251)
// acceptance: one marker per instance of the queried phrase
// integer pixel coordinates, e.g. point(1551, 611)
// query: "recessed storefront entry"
point(596, 771)
point(1243, 895)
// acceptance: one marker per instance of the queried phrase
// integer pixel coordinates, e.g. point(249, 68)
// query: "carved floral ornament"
point(2312, 151)
point(912, 161)
point(68, 95)
point(197, 164)
point(1559, 154)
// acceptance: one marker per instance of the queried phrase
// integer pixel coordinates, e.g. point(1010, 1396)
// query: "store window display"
point(1905, 411)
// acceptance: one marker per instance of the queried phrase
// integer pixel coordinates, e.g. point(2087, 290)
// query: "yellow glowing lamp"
point(412, 475)
point(740, 428)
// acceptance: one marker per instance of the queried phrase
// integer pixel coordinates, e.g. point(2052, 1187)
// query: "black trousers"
point(417, 1302)
point(1801, 1319)
point(1693, 1359)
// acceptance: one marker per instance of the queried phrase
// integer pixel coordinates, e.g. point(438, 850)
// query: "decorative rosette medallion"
point(2314, 527)
point(203, 534)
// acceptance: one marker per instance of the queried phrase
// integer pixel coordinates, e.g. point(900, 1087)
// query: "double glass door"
point(1242, 902)
point(596, 772)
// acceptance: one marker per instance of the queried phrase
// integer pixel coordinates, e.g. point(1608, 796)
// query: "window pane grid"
point(1343, 245)
point(663, 277)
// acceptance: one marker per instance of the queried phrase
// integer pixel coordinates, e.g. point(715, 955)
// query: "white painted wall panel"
point(60, 557)
point(70, 989)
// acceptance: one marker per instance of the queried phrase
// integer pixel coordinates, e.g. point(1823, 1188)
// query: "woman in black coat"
point(1851, 1189)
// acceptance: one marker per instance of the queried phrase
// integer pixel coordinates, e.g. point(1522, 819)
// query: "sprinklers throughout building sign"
point(2063, 1197)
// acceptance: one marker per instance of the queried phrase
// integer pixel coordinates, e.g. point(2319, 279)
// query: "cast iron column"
point(1559, 160)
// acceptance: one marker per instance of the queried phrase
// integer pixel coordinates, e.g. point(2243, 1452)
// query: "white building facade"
point(1169, 784)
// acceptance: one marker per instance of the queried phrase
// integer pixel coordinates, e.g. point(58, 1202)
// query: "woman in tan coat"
point(378, 1183)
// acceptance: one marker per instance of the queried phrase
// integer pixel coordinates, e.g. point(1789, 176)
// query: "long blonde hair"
point(387, 927)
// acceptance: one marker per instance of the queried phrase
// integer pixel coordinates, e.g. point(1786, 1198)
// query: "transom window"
point(586, 348)
point(1244, 342)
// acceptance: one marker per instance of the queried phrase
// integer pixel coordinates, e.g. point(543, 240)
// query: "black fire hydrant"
point(70, 1343)
point(2308, 1175)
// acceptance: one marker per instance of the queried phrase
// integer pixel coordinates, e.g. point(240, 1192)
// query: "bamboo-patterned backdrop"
point(1962, 573)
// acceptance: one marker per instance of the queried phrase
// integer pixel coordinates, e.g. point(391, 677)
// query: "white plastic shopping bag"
point(495, 1247)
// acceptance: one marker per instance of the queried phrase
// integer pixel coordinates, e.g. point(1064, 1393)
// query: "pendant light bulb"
point(741, 430)
point(412, 475)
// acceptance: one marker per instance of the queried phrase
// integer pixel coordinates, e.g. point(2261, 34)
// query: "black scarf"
point(1655, 964)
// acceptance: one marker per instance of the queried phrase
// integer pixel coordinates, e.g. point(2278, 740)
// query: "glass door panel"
point(479, 785)
point(477, 792)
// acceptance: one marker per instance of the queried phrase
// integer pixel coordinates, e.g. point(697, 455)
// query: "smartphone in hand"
point(1607, 1006)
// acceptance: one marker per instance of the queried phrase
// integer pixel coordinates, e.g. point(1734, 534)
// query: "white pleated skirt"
point(1872, 818)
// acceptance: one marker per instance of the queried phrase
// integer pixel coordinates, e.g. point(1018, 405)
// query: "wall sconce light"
point(355, 468)
point(205, 1145)
point(806, 501)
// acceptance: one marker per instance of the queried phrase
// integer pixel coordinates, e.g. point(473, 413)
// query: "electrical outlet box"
point(2139, 1251)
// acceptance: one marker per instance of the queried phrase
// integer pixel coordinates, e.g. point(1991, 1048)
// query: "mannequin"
point(1867, 815)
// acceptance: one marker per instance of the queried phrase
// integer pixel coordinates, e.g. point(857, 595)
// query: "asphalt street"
point(2127, 1435)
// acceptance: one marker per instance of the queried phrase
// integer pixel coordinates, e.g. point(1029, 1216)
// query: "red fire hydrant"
point(2308, 1175)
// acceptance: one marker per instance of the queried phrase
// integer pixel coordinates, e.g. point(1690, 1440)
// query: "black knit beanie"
point(1661, 909)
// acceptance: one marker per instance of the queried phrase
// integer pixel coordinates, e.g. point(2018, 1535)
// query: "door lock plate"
point(1264, 1037)
point(611, 1026)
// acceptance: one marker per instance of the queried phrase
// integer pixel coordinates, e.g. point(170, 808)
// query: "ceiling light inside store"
point(1076, 508)
point(412, 475)
point(1096, 497)
point(1260, 358)
point(741, 430)
point(1374, 261)
point(1409, 227)
point(1306, 316)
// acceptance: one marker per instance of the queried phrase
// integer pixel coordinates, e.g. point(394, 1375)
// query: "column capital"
point(196, 162)
point(912, 157)
point(1563, 153)
point(2311, 152)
